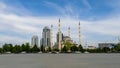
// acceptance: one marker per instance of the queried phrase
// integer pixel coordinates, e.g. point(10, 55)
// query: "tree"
point(106, 49)
point(11, 47)
point(80, 48)
point(99, 50)
point(117, 48)
point(64, 49)
point(49, 49)
point(23, 47)
point(92, 50)
point(7, 47)
point(68, 46)
point(27, 47)
point(35, 49)
point(17, 49)
point(42, 48)
point(74, 48)
point(1, 50)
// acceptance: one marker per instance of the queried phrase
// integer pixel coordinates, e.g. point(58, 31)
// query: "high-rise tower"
point(80, 39)
point(46, 37)
point(34, 40)
point(51, 36)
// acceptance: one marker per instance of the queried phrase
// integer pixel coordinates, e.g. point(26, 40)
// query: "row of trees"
point(73, 48)
point(19, 48)
point(35, 49)
point(67, 48)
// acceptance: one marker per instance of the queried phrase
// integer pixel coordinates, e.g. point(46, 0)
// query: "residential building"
point(34, 40)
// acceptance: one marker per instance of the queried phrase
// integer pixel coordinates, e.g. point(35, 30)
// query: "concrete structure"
point(34, 40)
point(109, 45)
point(45, 41)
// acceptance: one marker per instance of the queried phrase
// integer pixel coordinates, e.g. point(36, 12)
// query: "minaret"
point(51, 37)
point(80, 40)
point(59, 36)
point(69, 31)
point(59, 26)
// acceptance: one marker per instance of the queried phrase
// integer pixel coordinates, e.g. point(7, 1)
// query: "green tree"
point(92, 50)
point(64, 49)
point(74, 48)
point(17, 49)
point(35, 49)
point(99, 50)
point(106, 49)
point(27, 47)
point(23, 47)
point(49, 49)
point(68, 45)
point(1, 50)
point(7, 47)
point(80, 48)
point(42, 48)
point(11, 47)
point(117, 48)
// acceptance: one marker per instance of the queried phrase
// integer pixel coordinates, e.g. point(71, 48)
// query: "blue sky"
point(21, 19)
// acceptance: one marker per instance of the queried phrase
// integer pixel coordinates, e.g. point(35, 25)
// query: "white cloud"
point(67, 10)
point(104, 27)
point(30, 25)
point(12, 39)
point(87, 4)
point(54, 5)
point(34, 25)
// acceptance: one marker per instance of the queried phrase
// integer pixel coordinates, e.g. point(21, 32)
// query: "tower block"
point(51, 35)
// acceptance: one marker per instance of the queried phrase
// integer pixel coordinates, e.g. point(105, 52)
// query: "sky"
point(21, 19)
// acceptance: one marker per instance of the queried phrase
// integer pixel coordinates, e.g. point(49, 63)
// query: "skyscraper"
point(34, 40)
point(51, 37)
point(45, 41)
